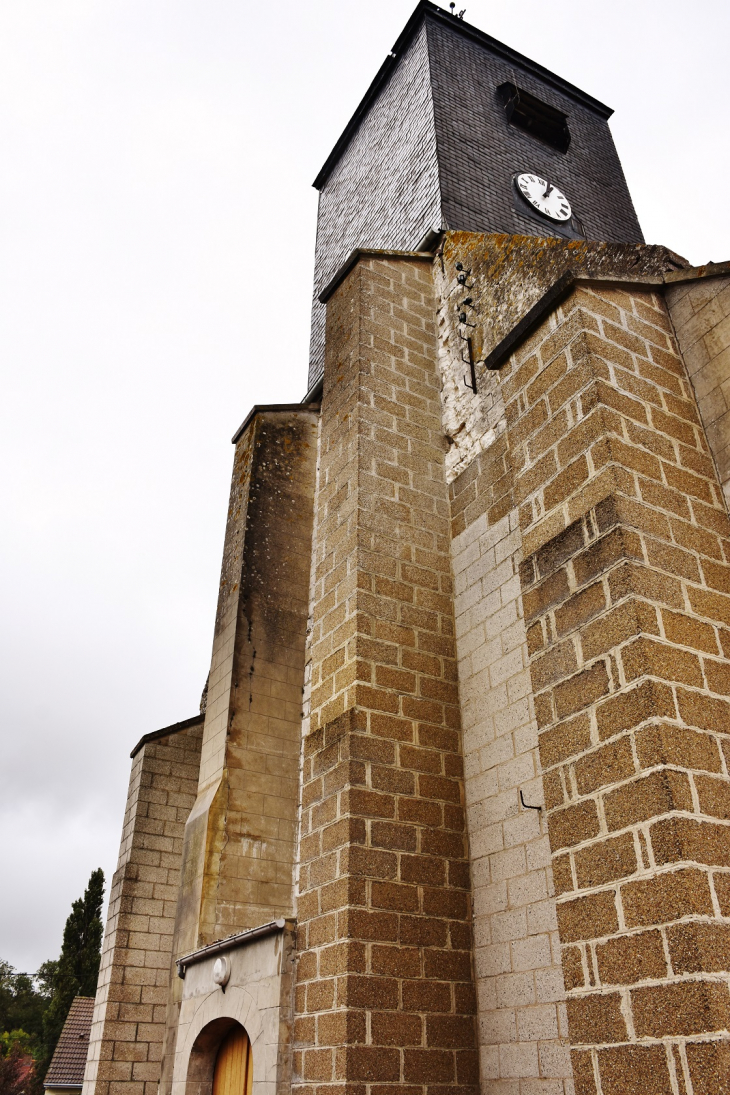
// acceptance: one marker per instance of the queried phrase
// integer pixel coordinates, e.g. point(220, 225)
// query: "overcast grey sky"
point(156, 250)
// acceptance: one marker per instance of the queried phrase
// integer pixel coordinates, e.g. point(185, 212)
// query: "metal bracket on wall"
point(526, 804)
point(472, 369)
point(467, 302)
point(463, 275)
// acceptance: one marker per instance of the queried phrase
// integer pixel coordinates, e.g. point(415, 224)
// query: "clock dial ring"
point(543, 196)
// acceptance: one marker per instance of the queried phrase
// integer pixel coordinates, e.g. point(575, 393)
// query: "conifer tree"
point(77, 969)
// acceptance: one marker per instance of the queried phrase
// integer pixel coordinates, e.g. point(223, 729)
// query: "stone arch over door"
point(221, 1060)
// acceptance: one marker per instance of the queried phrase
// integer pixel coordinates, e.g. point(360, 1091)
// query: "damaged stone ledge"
point(261, 408)
point(569, 280)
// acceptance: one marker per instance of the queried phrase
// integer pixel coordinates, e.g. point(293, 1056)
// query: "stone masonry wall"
point(523, 1034)
point(240, 839)
point(625, 592)
point(700, 311)
point(498, 280)
point(129, 1014)
point(385, 993)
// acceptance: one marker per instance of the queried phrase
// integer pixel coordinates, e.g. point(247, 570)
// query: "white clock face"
point(544, 197)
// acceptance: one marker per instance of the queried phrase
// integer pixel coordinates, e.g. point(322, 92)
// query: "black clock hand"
point(547, 192)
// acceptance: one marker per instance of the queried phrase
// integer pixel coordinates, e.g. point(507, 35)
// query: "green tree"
point(23, 1001)
point(77, 969)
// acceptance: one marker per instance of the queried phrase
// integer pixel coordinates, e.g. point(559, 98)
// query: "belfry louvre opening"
point(526, 112)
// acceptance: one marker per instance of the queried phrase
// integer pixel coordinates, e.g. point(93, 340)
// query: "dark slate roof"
point(69, 1059)
point(425, 9)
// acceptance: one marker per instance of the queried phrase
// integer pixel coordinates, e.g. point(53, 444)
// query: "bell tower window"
point(543, 122)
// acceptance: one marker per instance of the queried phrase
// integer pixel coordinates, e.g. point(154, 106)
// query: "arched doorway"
point(221, 1060)
point(233, 1072)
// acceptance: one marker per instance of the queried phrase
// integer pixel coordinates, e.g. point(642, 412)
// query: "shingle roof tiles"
point(69, 1059)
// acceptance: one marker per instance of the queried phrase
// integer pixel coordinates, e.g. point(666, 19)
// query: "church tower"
point(455, 816)
point(447, 126)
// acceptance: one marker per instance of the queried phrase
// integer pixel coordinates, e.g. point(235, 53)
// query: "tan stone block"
point(693, 1007)
point(318, 1065)
point(605, 861)
point(687, 631)
point(562, 874)
point(663, 497)
point(709, 1066)
point(610, 449)
point(581, 690)
point(572, 825)
point(602, 767)
point(631, 958)
point(714, 796)
point(666, 897)
point(335, 1028)
point(580, 608)
point(554, 665)
point(369, 992)
point(553, 591)
point(566, 483)
point(618, 625)
point(393, 896)
point(428, 1066)
point(668, 744)
point(129, 1051)
point(718, 676)
point(587, 917)
point(115, 1071)
point(647, 797)
point(672, 426)
point(389, 1029)
point(628, 580)
point(146, 1070)
point(628, 709)
point(535, 478)
point(595, 1019)
point(699, 947)
point(634, 1070)
point(366, 925)
point(680, 838)
point(449, 903)
point(550, 348)
point(704, 712)
point(692, 485)
point(320, 995)
point(420, 812)
point(649, 657)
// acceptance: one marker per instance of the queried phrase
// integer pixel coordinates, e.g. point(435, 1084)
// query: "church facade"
point(456, 813)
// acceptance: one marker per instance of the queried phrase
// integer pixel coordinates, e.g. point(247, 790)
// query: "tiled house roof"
point(69, 1059)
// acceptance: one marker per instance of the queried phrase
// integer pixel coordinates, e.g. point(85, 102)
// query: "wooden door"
point(234, 1065)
